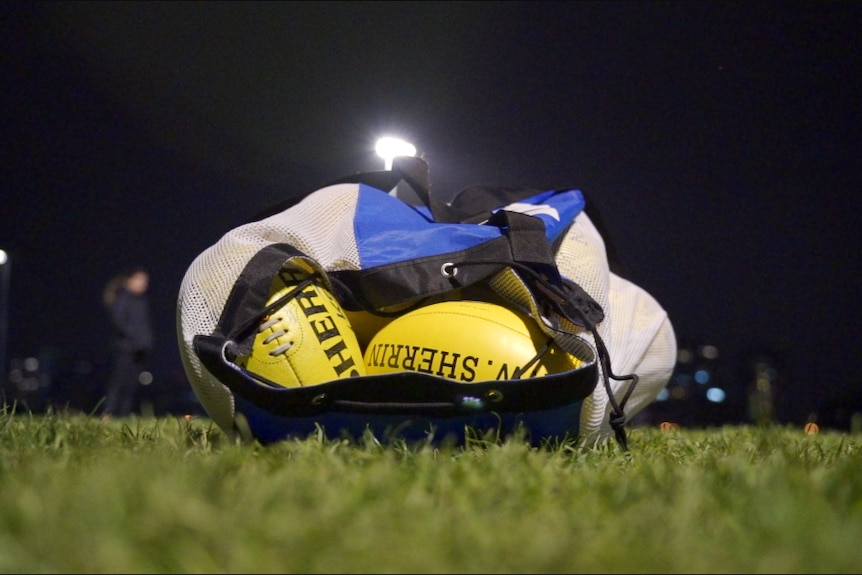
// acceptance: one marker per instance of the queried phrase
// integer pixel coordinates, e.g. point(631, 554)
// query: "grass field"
point(174, 495)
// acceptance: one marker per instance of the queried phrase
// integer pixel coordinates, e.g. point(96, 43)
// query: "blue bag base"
point(557, 424)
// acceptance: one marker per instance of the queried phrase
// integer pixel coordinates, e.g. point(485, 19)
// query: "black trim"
point(398, 393)
point(410, 281)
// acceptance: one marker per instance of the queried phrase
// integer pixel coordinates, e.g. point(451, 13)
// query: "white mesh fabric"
point(636, 330)
point(321, 226)
point(641, 340)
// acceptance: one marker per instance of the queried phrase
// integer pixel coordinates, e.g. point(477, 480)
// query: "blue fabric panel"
point(388, 230)
point(557, 208)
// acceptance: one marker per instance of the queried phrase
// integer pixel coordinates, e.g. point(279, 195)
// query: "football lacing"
point(275, 335)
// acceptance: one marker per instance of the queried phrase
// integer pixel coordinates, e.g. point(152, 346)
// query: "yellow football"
point(306, 341)
point(366, 324)
point(466, 341)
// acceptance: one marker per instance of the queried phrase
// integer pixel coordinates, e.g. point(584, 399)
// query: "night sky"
point(721, 143)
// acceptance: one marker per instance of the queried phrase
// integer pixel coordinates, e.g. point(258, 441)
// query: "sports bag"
point(382, 256)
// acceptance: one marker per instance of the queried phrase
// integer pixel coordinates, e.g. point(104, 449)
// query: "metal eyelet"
point(448, 270)
point(318, 399)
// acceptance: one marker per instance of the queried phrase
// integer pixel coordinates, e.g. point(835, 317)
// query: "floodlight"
point(388, 148)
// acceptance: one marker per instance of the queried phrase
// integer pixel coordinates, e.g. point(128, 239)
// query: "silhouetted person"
point(125, 297)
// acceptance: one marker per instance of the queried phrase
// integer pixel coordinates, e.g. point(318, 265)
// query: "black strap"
point(247, 299)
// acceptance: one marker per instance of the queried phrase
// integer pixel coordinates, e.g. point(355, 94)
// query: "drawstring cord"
point(559, 298)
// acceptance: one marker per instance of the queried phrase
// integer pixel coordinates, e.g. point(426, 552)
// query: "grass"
point(174, 495)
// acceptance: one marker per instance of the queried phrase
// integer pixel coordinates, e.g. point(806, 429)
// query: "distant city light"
point(708, 351)
point(662, 395)
point(389, 148)
point(715, 394)
point(701, 376)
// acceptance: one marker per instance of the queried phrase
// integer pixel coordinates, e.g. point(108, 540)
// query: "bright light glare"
point(388, 148)
point(3, 257)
